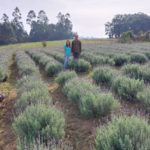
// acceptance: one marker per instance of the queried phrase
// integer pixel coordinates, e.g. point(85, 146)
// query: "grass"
point(53, 43)
point(33, 45)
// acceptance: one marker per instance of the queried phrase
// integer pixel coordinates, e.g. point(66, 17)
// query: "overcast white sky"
point(88, 16)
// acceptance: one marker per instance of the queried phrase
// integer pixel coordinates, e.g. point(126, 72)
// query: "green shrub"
point(144, 97)
point(58, 56)
point(27, 83)
point(25, 64)
point(63, 77)
point(35, 55)
point(126, 37)
point(110, 61)
point(88, 98)
point(27, 69)
point(127, 88)
point(32, 97)
point(97, 105)
point(133, 71)
point(53, 68)
point(76, 87)
point(80, 66)
point(146, 73)
point(44, 44)
point(138, 58)
point(43, 60)
point(52, 145)
point(3, 75)
point(94, 59)
point(124, 133)
point(137, 72)
point(103, 75)
point(39, 122)
point(120, 59)
point(147, 54)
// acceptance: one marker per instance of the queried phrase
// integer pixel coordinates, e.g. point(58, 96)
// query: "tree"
point(109, 29)
point(42, 31)
point(136, 23)
point(31, 18)
point(5, 18)
point(17, 18)
point(13, 31)
point(42, 18)
point(17, 25)
point(63, 26)
point(7, 34)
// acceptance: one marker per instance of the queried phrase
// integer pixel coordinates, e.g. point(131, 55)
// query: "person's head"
point(76, 36)
point(68, 44)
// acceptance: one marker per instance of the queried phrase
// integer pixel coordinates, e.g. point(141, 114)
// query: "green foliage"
point(103, 76)
point(144, 97)
point(5, 57)
point(12, 31)
point(138, 58)
point(90, 101)
point(80, 66)
point(126, 37)
point(94, 59)
point(124, 133)
point(120, 59)
point(138, 22)
point(146, 73)
point(63, 77)
point(110, 61)
point(44, 44)
point(39, 123)
point(3, 75)
point(42, 30)
point(137, 72)
point(127, 88)
point(58, 56)
point(98, 105)
point(32, 97)
point(147, 55)
point(53, 68)
point(27, 83)
point(25, 64)
point(133, 71)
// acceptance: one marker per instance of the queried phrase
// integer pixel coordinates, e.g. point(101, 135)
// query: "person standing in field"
point(76, 47)
point(67, 51)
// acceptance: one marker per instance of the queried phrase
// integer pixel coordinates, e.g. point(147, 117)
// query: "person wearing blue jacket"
point(67, 51)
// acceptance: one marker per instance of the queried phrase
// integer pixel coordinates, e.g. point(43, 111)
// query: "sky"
point(88, 16)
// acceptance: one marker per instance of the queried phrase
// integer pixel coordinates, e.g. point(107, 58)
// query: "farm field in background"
point(102, 98)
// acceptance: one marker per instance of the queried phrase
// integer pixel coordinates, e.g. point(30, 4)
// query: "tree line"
point(138, 24)
point(13, 31)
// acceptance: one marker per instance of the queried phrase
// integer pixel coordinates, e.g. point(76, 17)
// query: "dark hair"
point(68, 45)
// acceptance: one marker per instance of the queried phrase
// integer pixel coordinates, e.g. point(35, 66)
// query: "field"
point(100, 103)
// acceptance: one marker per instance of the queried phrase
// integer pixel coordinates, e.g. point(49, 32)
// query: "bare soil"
point(7, 136)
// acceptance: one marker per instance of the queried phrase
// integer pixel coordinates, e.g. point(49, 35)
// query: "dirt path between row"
point(7, 136)
point(79, 130)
